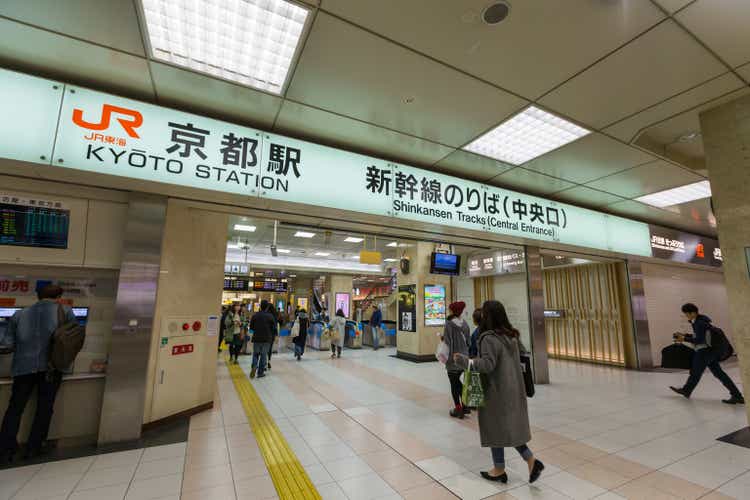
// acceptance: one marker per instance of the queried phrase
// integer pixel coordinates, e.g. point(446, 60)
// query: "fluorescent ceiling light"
point(355, 257)
point(251, 42)
point(233, 246)
point(322, 254)
point(352, 239)
point(304, 234)
point(244, 227)
point(283, 250)
point(390, 260)
point(529, 134)
point(292, 275)
point(392, 244)
point(678, 195)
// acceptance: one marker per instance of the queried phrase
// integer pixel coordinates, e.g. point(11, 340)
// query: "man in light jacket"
point(29, 332)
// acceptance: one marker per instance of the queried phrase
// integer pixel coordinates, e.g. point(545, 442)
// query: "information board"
point(32, 223)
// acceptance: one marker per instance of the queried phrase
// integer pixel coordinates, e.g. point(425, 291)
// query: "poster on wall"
point(434, 305)
point(407, 308)
point(342, 302)
point(302, 303)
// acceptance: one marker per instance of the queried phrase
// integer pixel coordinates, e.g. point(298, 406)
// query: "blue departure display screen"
point(445, 263)
point(29, 226)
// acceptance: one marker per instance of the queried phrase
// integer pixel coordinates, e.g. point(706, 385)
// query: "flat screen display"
point(34, 226)
point(8, 312)
point(445, 263)
point(235, 284)
point(434, 305)
point(270, 285)
point(342, 302)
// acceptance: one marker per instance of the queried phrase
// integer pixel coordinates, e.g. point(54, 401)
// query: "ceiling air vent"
point(496, 13)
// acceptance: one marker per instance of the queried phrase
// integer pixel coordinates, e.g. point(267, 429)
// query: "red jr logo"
point(129, 125)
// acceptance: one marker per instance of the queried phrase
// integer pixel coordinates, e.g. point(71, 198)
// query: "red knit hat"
point(457, 308)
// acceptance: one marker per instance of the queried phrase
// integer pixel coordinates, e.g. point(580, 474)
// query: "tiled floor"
point(370, 426)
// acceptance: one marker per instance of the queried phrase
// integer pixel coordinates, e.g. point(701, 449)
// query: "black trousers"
point(457, 388)
point(47, 386)
point(705, 358)
point(234, 350)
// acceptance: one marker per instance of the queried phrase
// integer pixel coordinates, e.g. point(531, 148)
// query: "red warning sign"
point(182, 349)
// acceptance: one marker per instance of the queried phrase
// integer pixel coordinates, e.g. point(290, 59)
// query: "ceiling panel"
point(645, 179)
point(673, 6)
point(727, 86)
point(113, 23)
point(352, 72)
point(529, 181)
point(209, 96)
point(471, 166)
point(698, 211)
point(650, 69)
point(45, 53)
point(744, 72)
point(587, 197)
point(589, 158)
point(339, 131)
point(636, 210)
point(526, 54)
point(722, 25)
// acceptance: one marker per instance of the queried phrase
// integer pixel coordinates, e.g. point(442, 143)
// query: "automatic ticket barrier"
point(186, 365)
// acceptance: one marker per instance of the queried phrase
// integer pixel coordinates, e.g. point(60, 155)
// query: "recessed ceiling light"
point(304, 234)
point(392, 244)
point(689, 137)
point(529, 134)
point(352, 239)
point(678, 195)
point(292, 275)
point(322, 254)
point(233, 246)
point(251, 42)
point(283, 250)
point(244, 227)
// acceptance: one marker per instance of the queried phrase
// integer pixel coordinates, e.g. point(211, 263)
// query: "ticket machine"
point(186, 364)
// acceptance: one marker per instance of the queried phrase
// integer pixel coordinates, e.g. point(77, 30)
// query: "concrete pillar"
point(726, 137)
point(421, 345)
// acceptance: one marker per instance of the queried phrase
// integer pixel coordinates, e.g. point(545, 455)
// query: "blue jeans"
point(498, 455)
point(299, 350)
point(376, 337)
point(260, 356)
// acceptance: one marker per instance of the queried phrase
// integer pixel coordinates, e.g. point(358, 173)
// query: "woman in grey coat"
point(504, 418)
point(456, 336)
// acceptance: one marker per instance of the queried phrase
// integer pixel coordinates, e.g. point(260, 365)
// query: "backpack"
point(66, 342)
point(718, 342)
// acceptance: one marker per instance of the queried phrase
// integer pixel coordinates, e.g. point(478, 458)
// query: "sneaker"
point(734, 400)
point(457, 413)
point(252, 373)
point(680, 391)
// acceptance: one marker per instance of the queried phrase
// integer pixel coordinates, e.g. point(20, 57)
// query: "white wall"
point(667, 288)
point(512, 291)
point(465, 292)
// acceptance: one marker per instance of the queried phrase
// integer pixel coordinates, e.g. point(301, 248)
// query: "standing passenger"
point(338, 325)
point(262, 324)
point(301, 339)
point(504, 419)
point(477, 319)
point(29, 333)
point(376, 325)
point(233, 335)
point(456, 336)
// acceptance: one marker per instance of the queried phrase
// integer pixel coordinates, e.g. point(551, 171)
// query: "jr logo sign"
point(133, 121)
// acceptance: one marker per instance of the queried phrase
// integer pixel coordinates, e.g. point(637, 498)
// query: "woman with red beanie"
point(457, 337)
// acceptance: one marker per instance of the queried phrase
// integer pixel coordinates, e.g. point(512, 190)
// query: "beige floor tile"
point(623, 466)
point(405, 478)
point(384, 460)
point(715, 495)
point(242, 453)
point(432, 491)
point(116, 492)
point(600, 476)
point(156, 487)
point(559, 458)
point(673, 485)
point(247, 469)
point(208, 477)
point(158, 468)
point(208, 459)
point(257, 488)
point(225, 492)
point(582, 451)
point(100, 478)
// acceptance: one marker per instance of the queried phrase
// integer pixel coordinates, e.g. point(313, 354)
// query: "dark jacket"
point(263, 325)
point(701, 325)
point(473, 350)
point(304, 322)
point(456, 336)
point(377, 318)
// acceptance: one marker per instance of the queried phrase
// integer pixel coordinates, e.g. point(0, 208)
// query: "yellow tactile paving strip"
point(288, 475)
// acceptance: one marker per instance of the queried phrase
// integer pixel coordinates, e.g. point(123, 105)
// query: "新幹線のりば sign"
point(106, 134)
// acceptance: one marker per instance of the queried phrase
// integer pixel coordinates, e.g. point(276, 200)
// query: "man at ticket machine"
point(28, 335)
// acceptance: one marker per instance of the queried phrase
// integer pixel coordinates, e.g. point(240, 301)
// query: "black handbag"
point(528, 377)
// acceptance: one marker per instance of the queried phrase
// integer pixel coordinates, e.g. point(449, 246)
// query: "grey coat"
point(504, 419)
point(457, 335)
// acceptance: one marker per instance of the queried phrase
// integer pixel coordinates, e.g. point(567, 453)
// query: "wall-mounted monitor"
point(445, 263)
point(81, 314)
point(434, 305)
point(34, 226)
